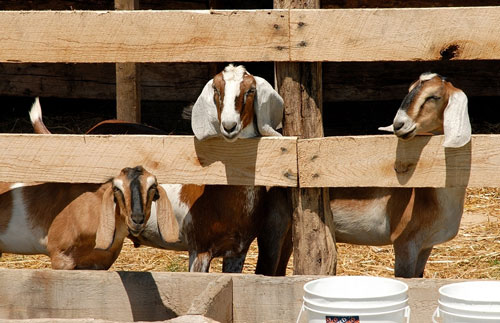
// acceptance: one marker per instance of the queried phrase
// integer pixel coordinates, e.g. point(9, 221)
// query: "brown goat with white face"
point(81, 226)
point(412, 219)
point(236, 104)
point(215, 220)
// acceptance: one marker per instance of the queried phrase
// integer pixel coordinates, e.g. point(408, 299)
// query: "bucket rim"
point(360, 314)
point(442, 291)
point(471, 309)
point(404, 286)
point(406, 300)
point(489, 318)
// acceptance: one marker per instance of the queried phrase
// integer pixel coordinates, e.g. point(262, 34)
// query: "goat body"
point(59, 220)
point(222, 221)
point(412, 219)
point(64, 221)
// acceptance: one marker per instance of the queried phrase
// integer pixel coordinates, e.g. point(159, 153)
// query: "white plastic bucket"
point(360, 298)
point(475, 301)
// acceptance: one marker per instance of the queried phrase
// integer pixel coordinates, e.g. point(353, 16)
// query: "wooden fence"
point(295, 35)
point(284, 36)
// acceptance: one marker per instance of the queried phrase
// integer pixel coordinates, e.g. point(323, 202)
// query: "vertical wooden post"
point(300, 85)
point(128, 85)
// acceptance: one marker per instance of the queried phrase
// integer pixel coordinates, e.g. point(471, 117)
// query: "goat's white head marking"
point(433, 105)
point(234, 94)
point(236, 104)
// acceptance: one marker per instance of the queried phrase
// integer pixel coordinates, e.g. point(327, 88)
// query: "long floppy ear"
point(165, 217)
point(106, 230)
point(268, 108)
point(204, 120)
point(457, 128)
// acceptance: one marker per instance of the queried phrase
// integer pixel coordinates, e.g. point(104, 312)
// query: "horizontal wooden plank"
point(143, 36)
point(395, 34)
point(155, 296)
point(385, 161)
point(405, 3)
point(404, 34)
point(173, 159)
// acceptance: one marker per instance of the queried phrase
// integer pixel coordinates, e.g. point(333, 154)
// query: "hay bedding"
point(473, 254)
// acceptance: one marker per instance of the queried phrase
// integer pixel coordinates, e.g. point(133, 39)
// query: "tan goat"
point(215, 220)
point(82, 226)
point(412, 219)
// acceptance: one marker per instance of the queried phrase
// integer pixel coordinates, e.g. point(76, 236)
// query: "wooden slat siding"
point(359, 81)
point(143, 36)
point(395, 34)
point(371, 161)
point(173, 159)
point(159, 82)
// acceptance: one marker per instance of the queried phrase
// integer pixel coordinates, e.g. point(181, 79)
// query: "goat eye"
point(116, 189)
point(433, 97)
point(156, 196)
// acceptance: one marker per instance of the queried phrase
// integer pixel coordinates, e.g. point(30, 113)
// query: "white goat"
point(412, 219)
point(82, 226)
point(222, 221)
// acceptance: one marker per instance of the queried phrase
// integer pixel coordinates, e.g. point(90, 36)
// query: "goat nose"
point(229, 126)
point(398, 125)
point(138, 219)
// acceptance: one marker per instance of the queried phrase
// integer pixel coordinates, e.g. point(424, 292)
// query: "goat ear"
point(204, 120)
point(106, 230)
point(165, 217)
point(457, 128)
point(268, 108)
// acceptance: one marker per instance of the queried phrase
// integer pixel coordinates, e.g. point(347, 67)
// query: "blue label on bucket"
point(342, 319)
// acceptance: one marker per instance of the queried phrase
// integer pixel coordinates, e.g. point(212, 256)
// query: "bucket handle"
point(302, 309)
point(407, 314)
point(435, 315)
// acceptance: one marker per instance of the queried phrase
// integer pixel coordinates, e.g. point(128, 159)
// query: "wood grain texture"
point(128, 82)
point(173, 159)
point(385, 161)
point(313, 231)
point(404, 3)
point(147, 296)
point(395, 34)
point(143, 36)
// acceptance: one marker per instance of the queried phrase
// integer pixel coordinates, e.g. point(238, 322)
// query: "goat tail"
point(36, 118)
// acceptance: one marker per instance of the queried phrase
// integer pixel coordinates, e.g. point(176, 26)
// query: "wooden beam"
point(404, 3)
point(300, 85)
point(385, 161)
point(143, 36)
point(395, 34)
point(128, 84)
point(408, 34)
point(173, 159)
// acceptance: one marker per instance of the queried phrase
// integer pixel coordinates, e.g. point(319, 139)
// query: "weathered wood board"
point(385, 161)
point(406, 34)
point(173, 159)
point(148, 296)
point(143, 36)
point(403, 34)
